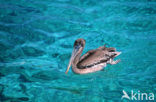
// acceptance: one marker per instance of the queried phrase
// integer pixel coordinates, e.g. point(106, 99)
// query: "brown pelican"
point(93, 60)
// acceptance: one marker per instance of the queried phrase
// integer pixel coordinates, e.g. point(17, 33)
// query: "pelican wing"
point(87, 55)
point(97, 56)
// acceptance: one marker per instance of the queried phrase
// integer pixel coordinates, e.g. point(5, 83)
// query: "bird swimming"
point(93, 60)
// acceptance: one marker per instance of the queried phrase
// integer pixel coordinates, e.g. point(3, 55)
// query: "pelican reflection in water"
point(93, 60)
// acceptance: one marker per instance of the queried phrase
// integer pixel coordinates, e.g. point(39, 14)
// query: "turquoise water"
point(36, 41)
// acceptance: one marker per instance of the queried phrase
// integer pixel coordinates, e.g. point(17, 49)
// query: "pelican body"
point(93, 60)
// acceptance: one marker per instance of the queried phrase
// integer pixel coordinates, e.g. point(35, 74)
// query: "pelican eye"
point(77, 47)
point(80, 44)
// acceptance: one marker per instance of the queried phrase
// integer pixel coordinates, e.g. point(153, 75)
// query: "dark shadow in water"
point(4, 98)
point(72, 90)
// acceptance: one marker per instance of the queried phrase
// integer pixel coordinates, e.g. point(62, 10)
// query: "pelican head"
point(78, 48)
